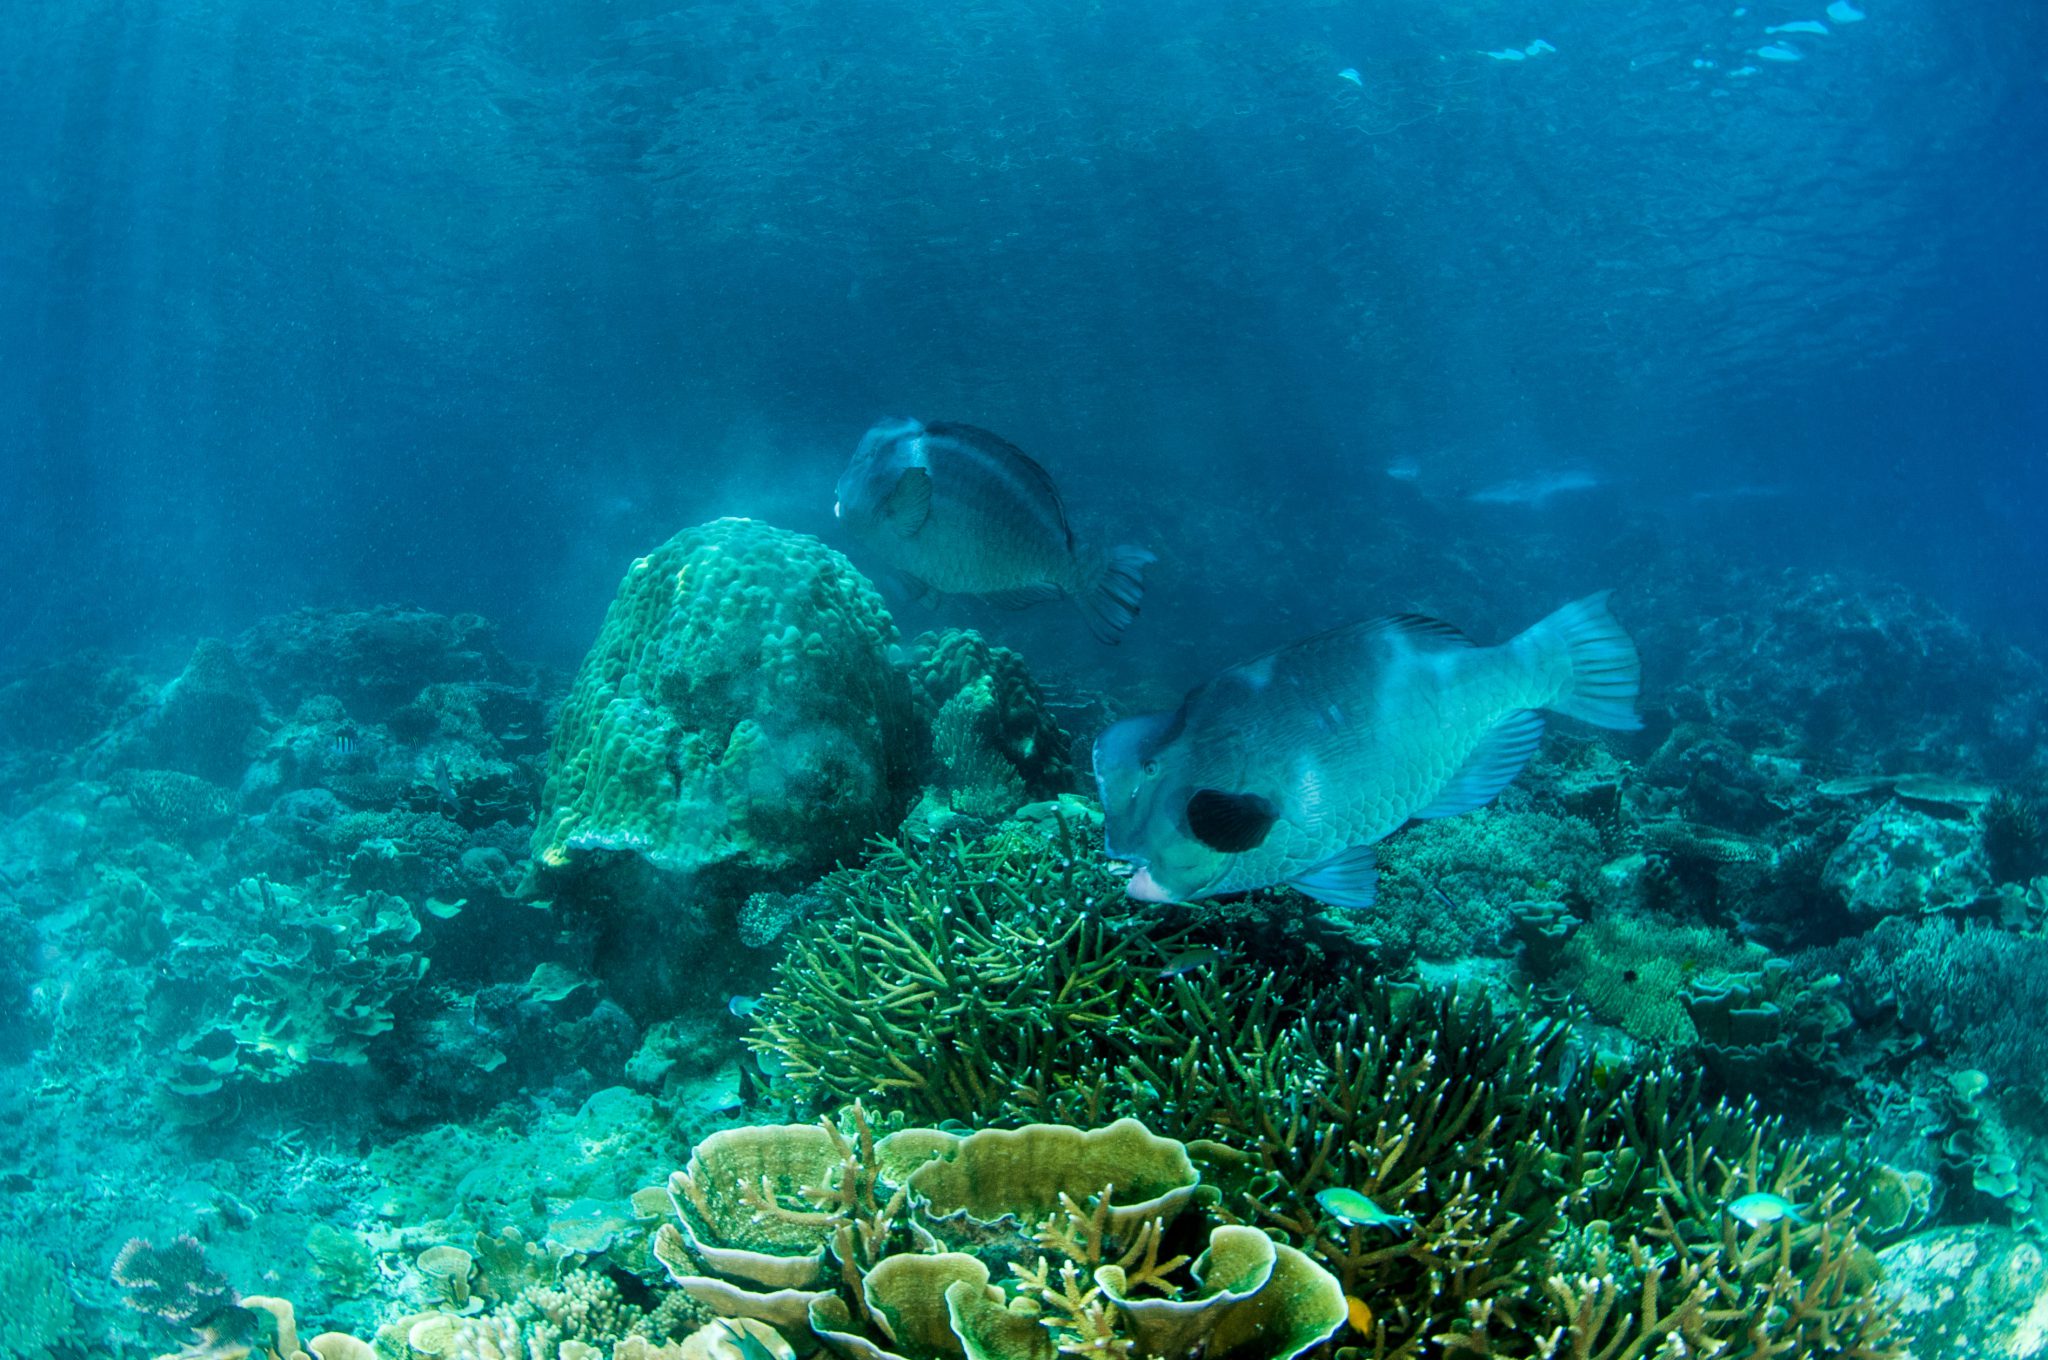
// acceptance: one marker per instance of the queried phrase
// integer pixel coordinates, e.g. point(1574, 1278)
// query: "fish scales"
point(956, 510)
point(1289, 767)
point(1430, 703)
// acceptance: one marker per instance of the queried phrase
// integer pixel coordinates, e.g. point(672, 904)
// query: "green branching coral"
point(739, 708)
point(957, 977)
point(1548, 1207)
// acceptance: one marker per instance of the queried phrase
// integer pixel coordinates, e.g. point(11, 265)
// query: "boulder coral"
point(740, 712)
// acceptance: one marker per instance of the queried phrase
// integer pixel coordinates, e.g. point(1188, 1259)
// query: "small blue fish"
point(1814, 26)
point(1348, 1206)
point(1762, 1207)
point(743, 1006)
point(1350, 73)
point(1780, 52)
point(1842, 12)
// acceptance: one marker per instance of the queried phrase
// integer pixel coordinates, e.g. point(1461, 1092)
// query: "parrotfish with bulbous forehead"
point(956, 510)
point(1288, 768)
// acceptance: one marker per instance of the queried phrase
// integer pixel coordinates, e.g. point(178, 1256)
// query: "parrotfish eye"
point(1151, 769)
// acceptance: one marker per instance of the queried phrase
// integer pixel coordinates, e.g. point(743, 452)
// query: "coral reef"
point(995, 743)
point(278, 1004)
point(1516, 1163)
point(738, 710)
point(1017, 1244)
point(40, 1313)
point(1969, 1292)
point(1970, 990)
point(1899, 860)
point(1790, 665)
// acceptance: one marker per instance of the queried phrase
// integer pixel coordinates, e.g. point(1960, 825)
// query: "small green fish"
point(1763, 1207)
point(750, 1347)
point(1348, 1206)
point(1190, 961)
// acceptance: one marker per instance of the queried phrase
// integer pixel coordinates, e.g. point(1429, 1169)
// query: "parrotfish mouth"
point(1146, 888)
point(835, 509)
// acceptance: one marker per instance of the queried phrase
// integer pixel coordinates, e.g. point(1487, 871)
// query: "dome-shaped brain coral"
point(740, 708)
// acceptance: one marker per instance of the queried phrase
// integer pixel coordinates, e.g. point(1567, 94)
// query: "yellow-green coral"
point(1522, 1167)
point(952, 978)
point(738, 707)
point(991, 1246)
point(39, 1311)
point(1631, 971)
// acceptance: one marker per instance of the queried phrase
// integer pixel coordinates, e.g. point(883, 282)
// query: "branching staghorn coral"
point(1553, 1207)
point(947, 979)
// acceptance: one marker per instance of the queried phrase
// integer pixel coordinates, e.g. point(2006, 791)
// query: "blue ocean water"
point(1462, 307)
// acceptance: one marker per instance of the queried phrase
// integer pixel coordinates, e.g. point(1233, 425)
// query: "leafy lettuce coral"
point(997, 1245)
point(740, 709)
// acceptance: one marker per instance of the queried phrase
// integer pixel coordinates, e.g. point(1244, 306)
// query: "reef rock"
point(1899, 860)
point(373, 660)
point(1969, 1293)
point(739, 724)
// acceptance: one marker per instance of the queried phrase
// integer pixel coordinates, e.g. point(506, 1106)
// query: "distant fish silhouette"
point(1536, 492)
point(444, 786)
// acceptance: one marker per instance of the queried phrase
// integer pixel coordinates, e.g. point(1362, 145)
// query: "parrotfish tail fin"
point(1607, 675)
point(1109, 595)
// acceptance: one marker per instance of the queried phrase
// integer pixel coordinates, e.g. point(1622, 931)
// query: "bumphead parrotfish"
point(956, 510)
point(1288, 768)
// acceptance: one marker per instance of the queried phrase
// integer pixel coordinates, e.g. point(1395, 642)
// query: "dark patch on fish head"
point(1231, 823)
point(885, 451)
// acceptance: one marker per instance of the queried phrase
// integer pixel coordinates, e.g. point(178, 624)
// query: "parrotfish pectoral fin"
point(917, 589)
point(1607, 675)
point(1109, 599)
point(1491, 767)
point(910, 502)
point(1231, 822)
point(1347, 879)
